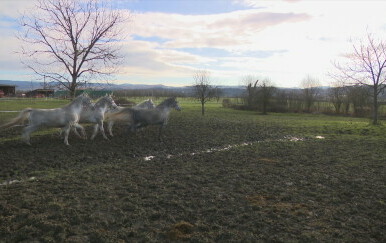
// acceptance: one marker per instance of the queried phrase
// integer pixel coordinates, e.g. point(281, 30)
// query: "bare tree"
point(359, 96)
point(71, 42)
point(366, 65)
point(265, 93)
point(282, 100)
point(337, 94)
point(250, 84)
point(203, 89)
point(310, 88)
point(217, 93)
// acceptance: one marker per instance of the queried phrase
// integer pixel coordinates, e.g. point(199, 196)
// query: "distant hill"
point(28, 85)
point(22, 85)
point(231, 91)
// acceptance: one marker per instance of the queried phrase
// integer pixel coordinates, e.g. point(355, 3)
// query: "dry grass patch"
point(268, 160)
point(181, 230)
point(275, 204)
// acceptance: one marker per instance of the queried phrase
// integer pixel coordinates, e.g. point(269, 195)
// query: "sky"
point(166, 41)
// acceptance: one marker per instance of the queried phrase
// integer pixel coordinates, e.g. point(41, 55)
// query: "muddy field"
point(231, 176)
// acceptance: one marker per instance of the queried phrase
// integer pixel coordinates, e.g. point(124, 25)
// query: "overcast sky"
point(283, 40)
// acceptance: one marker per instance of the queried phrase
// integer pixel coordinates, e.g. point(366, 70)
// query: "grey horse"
point(138, 118)
point(147, 104)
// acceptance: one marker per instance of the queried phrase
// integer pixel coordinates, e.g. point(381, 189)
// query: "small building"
point(7, 90)
point(40, 93)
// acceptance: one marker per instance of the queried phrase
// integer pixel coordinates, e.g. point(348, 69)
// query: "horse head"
point(84, 94)
point(171, 103)
point(151, 103)
point(106, 101)
point(176, 105)
point(111, 101)
point(85, 100)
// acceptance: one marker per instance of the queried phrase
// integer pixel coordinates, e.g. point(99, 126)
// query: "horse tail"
point(109, 115)
point(124, 114)
point(19, 120)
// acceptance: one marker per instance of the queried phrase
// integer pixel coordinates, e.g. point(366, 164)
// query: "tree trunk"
point(375, 107)
point(72, 92)
point(72, 88)
point(202, 108)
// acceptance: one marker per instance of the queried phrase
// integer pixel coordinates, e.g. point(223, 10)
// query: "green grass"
point(19, 104)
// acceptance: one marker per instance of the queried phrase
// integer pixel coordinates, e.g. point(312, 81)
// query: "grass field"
point(228, 176)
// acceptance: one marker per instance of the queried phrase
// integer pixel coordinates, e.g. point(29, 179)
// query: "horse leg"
point(60, 132)
point(77, 125)
point(27, 131)
point(94, 133)
point(76, 132)
point(110, 128)
point(131, 128)
point(160, 133)
point(66, 130)
point(102, 129)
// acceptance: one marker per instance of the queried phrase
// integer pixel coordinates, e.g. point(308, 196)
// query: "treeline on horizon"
point(347, 100)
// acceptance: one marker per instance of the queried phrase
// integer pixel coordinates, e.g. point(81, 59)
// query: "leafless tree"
point(218, 93)
point(295, 100)
point(203, 89)
point(310, 87)
point(359, 97)
point(366, 65)
point(265, 93)
point(250, 83)
point(282, 100)
point(71, 42)
point(337, 94)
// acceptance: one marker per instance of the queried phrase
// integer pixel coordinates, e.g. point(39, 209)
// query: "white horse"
point(65, 117)
point(96, 114)
point(147, 104)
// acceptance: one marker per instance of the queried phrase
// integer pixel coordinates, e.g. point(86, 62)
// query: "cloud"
point(9, 45)
point(166, 45)
point(282, 40)
point(14, 9)
point(149, 59)
point(225, 30)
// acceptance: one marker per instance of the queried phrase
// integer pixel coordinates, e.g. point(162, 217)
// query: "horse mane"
point(76, 99)
point(167, 102)
point(101, 101)
point(145, 104)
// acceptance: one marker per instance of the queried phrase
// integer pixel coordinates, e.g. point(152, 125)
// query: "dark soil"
point(329, 189)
